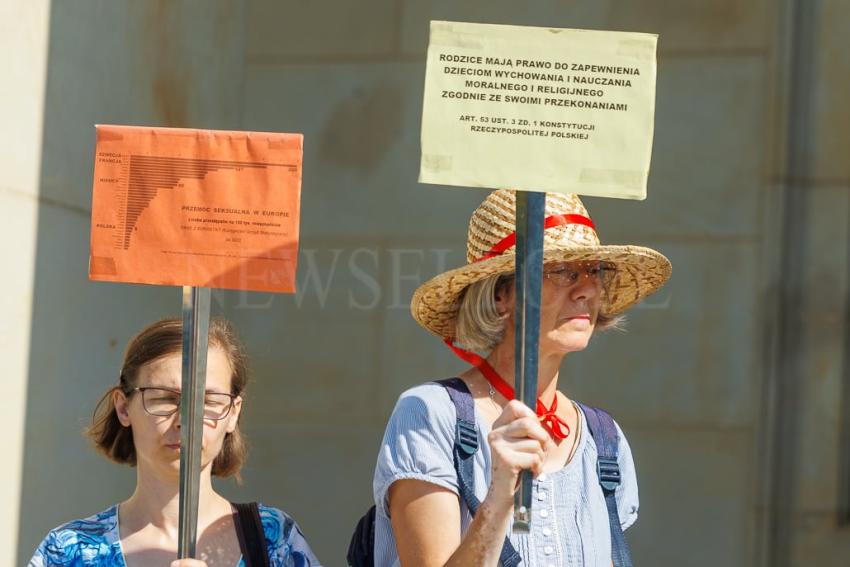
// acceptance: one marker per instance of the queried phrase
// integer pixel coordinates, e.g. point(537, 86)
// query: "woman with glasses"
point(423, 497)
point(137, 423)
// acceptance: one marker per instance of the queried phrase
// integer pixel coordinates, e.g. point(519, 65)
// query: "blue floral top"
point(95, 542)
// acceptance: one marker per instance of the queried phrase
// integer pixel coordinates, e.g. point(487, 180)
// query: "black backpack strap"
point(604, 433)
point(465, 447)
point(361, 548)
point(252, 538)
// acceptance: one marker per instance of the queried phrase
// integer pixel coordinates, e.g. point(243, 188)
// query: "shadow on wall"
point(120, 63)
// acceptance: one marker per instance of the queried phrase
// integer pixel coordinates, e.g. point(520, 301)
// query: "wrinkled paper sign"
point(539, 109)
point(202, 208)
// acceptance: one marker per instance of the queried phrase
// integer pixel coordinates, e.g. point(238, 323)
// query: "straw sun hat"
point(569, 235)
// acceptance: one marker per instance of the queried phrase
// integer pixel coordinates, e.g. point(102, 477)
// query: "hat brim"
point(640, 272)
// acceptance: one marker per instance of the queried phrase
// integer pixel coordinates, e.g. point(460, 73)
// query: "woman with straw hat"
point(423, 517)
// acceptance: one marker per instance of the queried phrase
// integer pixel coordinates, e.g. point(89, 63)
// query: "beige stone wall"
point(117, 62)
point(686, 381)
point(818, 540)
point(25, 31)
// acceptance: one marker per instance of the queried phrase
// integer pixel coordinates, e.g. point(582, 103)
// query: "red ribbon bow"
point(556, 426)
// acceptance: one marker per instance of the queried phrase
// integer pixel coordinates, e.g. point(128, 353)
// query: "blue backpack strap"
point(604, 433)
point(465, 447)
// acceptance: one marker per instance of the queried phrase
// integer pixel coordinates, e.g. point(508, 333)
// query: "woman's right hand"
point(426, 518)
point(188, 563)
point(517, 442)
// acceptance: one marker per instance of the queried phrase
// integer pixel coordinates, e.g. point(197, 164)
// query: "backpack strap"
point(252, 538)
point(465, 447)
point(604, 433)
point(361, 548)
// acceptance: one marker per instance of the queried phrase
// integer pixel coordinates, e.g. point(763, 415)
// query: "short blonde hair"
point(480, 326)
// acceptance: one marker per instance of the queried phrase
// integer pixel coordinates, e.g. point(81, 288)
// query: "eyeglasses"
point(163, 402)
point(568, 274)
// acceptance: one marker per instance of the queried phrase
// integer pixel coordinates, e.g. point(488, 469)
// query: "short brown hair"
point(160, 339)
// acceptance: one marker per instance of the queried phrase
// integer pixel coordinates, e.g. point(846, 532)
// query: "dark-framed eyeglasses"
point(568, 274)
point(163, 402)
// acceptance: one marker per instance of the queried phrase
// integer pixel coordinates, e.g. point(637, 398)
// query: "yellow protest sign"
point(541, 109)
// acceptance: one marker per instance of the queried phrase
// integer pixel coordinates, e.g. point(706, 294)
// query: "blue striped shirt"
point(569, 518)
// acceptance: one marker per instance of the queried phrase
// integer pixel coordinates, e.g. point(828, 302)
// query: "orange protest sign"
point(196, 208)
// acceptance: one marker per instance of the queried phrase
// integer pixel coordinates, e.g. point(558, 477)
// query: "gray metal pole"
point(530, 207)
point(196, 322)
